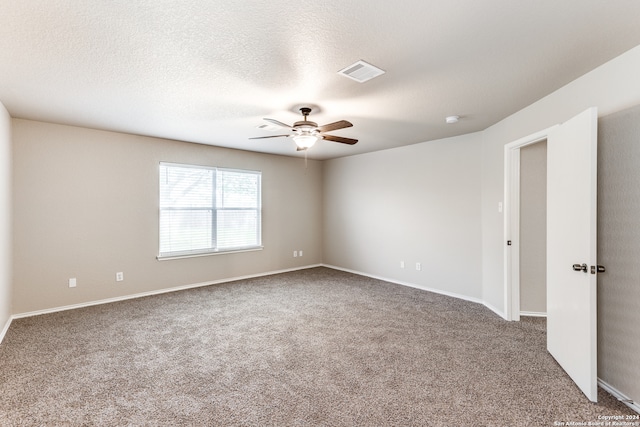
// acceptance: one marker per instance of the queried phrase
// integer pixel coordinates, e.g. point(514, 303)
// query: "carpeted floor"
point(314, 347)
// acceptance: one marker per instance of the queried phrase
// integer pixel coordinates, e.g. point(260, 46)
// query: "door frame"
point(512, 220)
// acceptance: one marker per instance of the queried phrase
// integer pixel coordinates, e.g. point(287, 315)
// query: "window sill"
point(197, 255)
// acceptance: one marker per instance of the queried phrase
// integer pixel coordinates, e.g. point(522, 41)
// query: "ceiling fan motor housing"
point(305, 125)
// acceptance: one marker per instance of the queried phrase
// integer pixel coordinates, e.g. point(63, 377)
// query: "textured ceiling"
point(208, 71)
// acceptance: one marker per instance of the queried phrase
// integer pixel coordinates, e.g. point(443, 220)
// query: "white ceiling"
point(208, 71)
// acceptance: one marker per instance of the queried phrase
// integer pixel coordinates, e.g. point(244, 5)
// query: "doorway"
point(571, 243)
point(514, 293)
point(533, 229)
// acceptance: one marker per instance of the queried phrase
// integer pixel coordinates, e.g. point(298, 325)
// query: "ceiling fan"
point(306, 133)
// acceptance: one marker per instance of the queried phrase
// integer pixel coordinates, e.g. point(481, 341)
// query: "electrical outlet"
point(418, 266)
point(299, 253)
point(119, 276)
point(72, 282)
point(295, 254)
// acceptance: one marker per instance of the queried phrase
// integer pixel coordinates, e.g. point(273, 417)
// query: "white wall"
point(86, 206)
point(611, 87)
point(619, 251)
point(419, 203)
point(5, 218)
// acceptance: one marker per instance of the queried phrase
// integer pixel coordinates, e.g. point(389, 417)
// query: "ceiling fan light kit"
point(305, 141)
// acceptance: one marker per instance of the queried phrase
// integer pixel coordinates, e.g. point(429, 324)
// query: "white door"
point(571, 239)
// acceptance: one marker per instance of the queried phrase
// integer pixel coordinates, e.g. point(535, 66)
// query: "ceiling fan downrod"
point(305, 112)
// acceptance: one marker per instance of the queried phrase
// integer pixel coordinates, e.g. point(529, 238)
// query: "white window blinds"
point(208, 210)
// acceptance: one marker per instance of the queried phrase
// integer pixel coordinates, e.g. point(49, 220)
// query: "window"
point(206, 210)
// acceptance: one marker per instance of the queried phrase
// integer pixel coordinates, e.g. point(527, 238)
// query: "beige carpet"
point(314, 347)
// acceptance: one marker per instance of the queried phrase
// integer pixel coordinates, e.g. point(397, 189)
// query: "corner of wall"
point(6, 242)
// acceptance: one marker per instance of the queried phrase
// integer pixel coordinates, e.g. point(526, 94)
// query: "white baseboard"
point(411, 285)
point(533, 314)
point(155, 292)
point(619, 395)
point(5, 329)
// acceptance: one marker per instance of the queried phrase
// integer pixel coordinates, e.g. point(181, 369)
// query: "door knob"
point(580, 267)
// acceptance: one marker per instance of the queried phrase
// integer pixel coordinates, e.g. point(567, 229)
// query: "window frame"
point(216, 206)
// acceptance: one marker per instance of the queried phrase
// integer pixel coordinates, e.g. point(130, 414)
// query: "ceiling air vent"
point(361, 71)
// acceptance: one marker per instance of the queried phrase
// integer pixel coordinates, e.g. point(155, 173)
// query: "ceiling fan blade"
point(339, 139)
point(275, 122)
point(270, 136)
point(335, 126)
